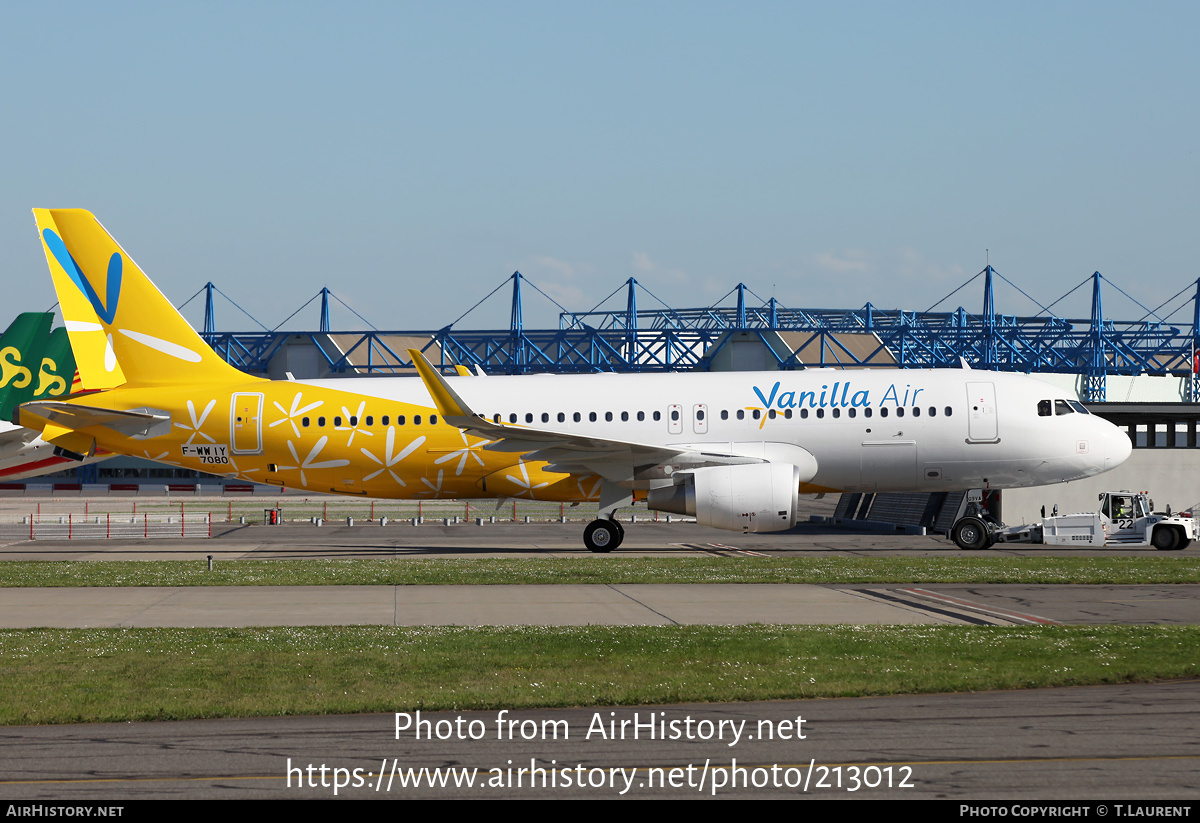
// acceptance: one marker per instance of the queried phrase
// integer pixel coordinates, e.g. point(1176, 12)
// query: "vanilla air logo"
point(106, 310)
point(840, 396)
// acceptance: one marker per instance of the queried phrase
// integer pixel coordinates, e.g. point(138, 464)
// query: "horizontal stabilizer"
point(130, 423)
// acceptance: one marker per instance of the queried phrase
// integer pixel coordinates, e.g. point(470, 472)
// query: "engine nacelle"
point(758, 497)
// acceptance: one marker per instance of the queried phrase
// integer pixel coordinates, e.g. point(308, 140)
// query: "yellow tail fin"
point(123, 330)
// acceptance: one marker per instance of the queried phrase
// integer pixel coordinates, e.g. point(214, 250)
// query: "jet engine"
point(757, 497)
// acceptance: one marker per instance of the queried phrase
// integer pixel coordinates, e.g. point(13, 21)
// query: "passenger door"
point(245, 422)
point(982, 426)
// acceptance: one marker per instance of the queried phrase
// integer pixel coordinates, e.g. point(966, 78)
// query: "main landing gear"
point(602, 536)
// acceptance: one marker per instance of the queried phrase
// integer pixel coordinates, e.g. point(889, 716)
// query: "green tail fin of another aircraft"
point(35, 363)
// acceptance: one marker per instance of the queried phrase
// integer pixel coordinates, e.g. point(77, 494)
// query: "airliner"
point(734, 450)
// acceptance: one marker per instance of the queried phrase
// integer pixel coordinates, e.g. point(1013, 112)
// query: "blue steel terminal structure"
point(670, 339)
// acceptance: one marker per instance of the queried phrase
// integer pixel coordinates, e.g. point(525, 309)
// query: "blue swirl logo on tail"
point(106, 310)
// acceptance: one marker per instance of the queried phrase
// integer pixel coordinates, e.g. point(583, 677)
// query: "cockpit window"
point(1061, 407)
point(1043, 408)
point(1077, 406)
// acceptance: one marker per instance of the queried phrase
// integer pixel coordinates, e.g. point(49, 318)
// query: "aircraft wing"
point(616, 460)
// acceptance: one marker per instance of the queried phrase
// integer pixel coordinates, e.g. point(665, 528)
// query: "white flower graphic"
point(355, 421)
point(197, 422)
point(296, 411)
point(238, 471)
point(309, 462)
point(162, 458)
point(524, 483)
point(435, 490)
point(462, 454)
point(595, 490)
point(389, 459)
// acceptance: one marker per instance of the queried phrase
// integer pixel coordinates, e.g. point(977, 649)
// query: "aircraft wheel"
point(971, 534)
point(620, 533)
point(602, 536)
point(1166, 539)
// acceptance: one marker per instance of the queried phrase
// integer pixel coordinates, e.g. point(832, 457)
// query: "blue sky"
point(412, 155)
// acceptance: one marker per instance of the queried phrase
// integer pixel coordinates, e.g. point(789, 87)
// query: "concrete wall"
point(300, 357)
point(1169, 475)
point(745, 351)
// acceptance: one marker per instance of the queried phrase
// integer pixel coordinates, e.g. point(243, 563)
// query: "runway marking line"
point(979, 607)
point(739, 551)
point(918, 606)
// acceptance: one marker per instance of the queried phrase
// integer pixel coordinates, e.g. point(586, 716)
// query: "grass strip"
point(605, 570)
point(88, 675)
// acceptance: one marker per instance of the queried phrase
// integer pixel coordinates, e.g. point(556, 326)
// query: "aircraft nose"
point(1114, 445)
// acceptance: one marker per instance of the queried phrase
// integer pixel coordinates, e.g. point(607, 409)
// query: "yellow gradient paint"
point(184, 406)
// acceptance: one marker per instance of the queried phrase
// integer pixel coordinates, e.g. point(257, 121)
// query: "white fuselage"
point(868, 430)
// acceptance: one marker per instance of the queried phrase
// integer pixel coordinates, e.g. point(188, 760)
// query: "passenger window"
point(883, 411)
point(385, 420)
point(608, 417)
point(512, 418)
point(576, 417)
point(804, 414)
point(562, 418)
point(320, 421)
point(933, 411)
point(624, 417)
point(303, 421)
point(545, 417)
point(787, 413)
point(400, 420)
point(867, 412)
point(657, 416)
point(528, 417)
point(337, 421)
point(741, 414)
point(416, 419)
point(641, 416)
point(820, 414)
point(949, 411)
point(900, 412)
point(354, 420)
point(757, 413)
point(770, 414)
point(370, 420)
point(700, 414)
point(916, 411)
point(675, 414)
point(432, 420)
point(852, 412)
point(592, 417)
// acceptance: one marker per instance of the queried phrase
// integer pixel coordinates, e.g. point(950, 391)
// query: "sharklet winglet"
point(447, 400)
